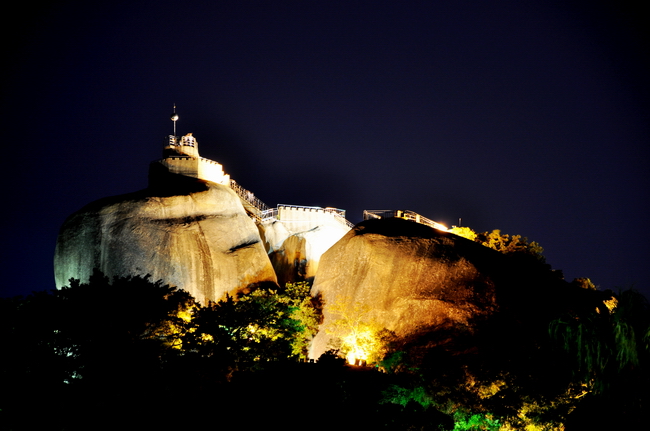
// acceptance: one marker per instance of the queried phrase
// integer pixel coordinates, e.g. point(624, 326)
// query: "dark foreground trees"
point(589, 369)
point(92, 329)
point(609, 352)
point(129, 352)
point(106, 341)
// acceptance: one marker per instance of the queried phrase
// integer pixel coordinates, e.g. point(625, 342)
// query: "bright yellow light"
point(439, 226)
point(611, 304)
point(465, 232)
point(360, 344)
point(358, 333)
point(186, 314)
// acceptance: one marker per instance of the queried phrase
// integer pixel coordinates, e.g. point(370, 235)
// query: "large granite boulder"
point(403, 276)
point(187, 232)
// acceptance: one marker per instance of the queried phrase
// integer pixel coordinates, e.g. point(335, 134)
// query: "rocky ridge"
point(187, 232)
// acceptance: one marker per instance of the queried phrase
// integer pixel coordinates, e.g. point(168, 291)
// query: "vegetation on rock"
point(504, 243)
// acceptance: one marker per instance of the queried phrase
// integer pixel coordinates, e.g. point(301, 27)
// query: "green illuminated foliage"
point(306, 311)
point(476, 421)
point(265, 324)
point(400, 395)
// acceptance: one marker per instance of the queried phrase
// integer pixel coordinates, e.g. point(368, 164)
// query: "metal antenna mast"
point(174, 118)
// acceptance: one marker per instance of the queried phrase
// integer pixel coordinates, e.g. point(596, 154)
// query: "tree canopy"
point(503, 243)
point(70, 350)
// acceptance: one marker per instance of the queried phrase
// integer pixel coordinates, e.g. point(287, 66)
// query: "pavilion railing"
point(260, 212)
point(403, 214)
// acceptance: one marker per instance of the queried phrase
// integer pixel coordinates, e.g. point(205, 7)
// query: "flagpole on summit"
point(174, 118)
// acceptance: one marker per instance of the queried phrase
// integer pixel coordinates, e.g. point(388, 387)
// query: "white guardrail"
point(262, 212)
point(403, 214)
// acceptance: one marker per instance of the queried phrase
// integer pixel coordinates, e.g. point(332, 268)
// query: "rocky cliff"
point(187, 232)
point(405, 276)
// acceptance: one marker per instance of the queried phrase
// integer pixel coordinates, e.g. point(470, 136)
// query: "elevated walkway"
point(260, 212)
point(255, 208)
point(403, 214)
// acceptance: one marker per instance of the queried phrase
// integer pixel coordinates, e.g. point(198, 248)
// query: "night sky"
point(529, 117)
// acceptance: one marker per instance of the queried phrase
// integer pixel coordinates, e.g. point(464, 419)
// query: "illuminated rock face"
point(295, 249)
point(403, 276)
point(189, 233)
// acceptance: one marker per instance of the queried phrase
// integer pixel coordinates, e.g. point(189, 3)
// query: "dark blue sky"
point(529, 117)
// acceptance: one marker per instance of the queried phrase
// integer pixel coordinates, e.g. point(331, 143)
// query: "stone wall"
point(200, 168)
